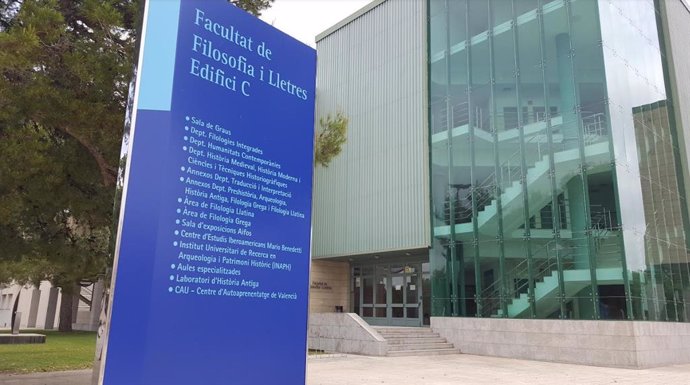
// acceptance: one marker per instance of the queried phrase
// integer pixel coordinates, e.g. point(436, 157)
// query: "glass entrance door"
point(389, 294)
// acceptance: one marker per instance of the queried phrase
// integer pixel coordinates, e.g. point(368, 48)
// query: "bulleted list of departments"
point(225, 185)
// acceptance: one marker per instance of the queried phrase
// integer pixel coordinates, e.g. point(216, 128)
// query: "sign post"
point(210, 281)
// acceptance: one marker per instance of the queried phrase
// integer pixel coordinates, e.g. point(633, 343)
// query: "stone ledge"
point(344, 333)
point(24, 338)
point(624, 344)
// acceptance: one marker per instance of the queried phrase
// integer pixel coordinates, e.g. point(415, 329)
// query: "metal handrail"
point(459, 115)
point(518, 267)
point(510, 173)
point(594, 124)
point(543, 268)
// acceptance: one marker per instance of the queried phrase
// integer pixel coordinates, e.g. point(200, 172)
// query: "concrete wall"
point(625, 344)
point(33, 309)
point(344, 333)
point(662, 343)
point(7, 298)
point(53, 299)
point(25, 305)
point(374, 196)
point(44, 305)
point(30, 299)
point(329, 286)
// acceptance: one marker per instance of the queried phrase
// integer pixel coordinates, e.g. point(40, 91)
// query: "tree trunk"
point(108, 172)
point(66, 304)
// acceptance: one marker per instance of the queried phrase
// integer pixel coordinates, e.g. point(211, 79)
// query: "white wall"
point(374, 196)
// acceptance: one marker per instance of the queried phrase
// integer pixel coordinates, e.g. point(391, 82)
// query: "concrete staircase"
point(414, 341)
point(539, 186)
point(545, 294)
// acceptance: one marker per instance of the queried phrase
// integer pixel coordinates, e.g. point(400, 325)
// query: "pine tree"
point(330, 138)
point(65, 69)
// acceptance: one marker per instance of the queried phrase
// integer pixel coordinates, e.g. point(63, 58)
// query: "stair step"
point(409, 335)
point(435, 352)
point(417, 340)
point(420, 332)
point(402, 329)
point(433, 346)
point(414, 341)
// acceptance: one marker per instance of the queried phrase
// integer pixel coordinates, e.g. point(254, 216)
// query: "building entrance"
point(392, 294)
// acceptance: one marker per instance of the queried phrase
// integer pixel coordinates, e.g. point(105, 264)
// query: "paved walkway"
point(469, 369)
point(71, 377)
point(452, 369)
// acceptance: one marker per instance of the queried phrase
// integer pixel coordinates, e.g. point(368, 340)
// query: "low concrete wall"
point(625, 344)
point(344, 333)
point(662, 343)
point(24, 338)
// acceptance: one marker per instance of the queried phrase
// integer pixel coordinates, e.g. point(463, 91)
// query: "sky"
point(304, 19)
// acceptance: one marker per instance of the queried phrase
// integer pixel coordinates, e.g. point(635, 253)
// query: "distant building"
point(40, 306)
point(510, 161)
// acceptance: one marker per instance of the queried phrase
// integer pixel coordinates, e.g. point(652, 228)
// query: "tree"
point(65, 68)
point(64, 71)
point(253, 6)
point(330, 138)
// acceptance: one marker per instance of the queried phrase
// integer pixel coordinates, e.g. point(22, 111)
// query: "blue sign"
point(211, 273)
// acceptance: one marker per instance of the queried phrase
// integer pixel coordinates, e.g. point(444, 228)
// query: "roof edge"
point(348, 19)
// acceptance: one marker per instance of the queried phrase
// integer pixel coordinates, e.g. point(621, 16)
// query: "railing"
point(603, 225)
point(602, 218)
point(547, 212)
point(545, 263)
point(594, 126)
point(509, 170)
point(459, 115)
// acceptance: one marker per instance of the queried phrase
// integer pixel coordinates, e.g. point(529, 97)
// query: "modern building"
point(508, 162)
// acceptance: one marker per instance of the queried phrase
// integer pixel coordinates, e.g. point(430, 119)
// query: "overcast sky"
point(304, 19)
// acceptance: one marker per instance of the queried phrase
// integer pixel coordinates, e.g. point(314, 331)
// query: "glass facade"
point(554, 163)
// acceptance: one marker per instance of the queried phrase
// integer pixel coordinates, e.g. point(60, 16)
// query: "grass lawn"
point(62, 351)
